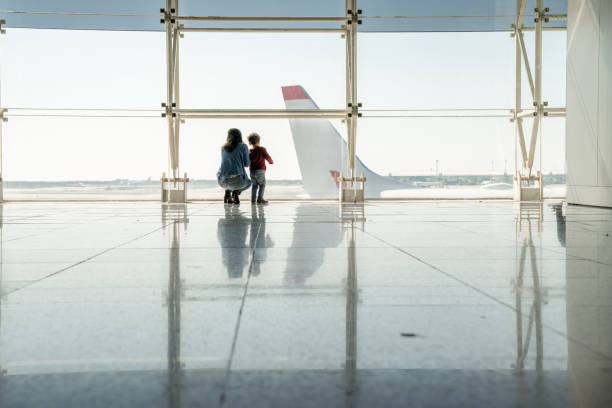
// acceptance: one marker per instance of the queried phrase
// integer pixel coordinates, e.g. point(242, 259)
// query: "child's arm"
point(267, 156)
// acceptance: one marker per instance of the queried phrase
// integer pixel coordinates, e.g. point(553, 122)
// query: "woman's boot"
point(227, 199)
point(235, 195)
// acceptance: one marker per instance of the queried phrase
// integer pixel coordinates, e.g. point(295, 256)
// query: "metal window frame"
point(525, 180)
point(171, 186)
point(528, 215)
point(528, 186)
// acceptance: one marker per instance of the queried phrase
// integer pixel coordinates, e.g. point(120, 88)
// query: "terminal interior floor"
point(299, 304)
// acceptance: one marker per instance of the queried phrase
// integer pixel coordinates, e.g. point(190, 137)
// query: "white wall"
point(589, 102)
point(588, 307)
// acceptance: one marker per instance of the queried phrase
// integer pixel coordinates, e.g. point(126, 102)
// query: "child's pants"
point(258, 177)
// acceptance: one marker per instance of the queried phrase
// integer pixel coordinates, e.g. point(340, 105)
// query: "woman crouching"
point(232, 175)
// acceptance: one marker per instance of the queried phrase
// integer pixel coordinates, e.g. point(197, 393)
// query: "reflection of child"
point(258, 237)
point(258, 155)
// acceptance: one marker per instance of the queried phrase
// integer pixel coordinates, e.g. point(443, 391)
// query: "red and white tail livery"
point(322, 152)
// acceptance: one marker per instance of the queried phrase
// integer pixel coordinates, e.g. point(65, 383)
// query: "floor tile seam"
point(552, 249)
point(491, 297)
point(195, 212)
point(493, 259)
point(18, 238)
point(427, 305)
point(44, 223)
point(88, 259)
point(26, 305)
point(41, 215)
point(230, 359)
point(45, 232)
point(580, 258)
point(68, 226)
point(245, 246)
point(72, 225)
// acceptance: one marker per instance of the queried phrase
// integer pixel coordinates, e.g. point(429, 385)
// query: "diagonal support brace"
point(526, 59)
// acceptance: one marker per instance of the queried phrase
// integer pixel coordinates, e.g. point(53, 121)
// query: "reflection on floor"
point(305, 304)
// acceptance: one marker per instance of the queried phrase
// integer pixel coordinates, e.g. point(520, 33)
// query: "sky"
point(106, 69)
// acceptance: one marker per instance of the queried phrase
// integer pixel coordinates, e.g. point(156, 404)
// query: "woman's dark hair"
point(234, 138)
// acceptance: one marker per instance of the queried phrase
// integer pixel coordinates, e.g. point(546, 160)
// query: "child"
point(258, 156)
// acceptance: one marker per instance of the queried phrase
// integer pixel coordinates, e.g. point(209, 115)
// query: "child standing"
point(258, 155)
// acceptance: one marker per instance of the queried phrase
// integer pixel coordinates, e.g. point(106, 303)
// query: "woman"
point(234, 158)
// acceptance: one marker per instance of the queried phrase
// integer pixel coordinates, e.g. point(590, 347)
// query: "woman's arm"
point(245, 156)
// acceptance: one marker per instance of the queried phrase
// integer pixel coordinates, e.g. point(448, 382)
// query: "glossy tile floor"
point(407, 304)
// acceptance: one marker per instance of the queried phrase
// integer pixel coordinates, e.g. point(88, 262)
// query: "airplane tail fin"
point(322, 152)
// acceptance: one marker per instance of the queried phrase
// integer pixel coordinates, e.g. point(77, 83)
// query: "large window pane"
point(83, 69)
point(247, 70)
point(79, 153)
point(466, 74)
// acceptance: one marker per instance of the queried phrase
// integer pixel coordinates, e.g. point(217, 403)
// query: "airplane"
point(429, 184)
point(322, 152)
point(497, 186)
point(322, 156)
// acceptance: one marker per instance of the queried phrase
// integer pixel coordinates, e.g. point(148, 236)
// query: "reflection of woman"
point(234, 158)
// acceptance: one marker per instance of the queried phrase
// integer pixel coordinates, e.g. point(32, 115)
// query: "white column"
point(537, 97)
point(171, 45)
point(2, 111)
point(1, 140)
point(518, 122)
point(175, 85)
point(352, 102)
point(589, 103)
point(2, 119)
